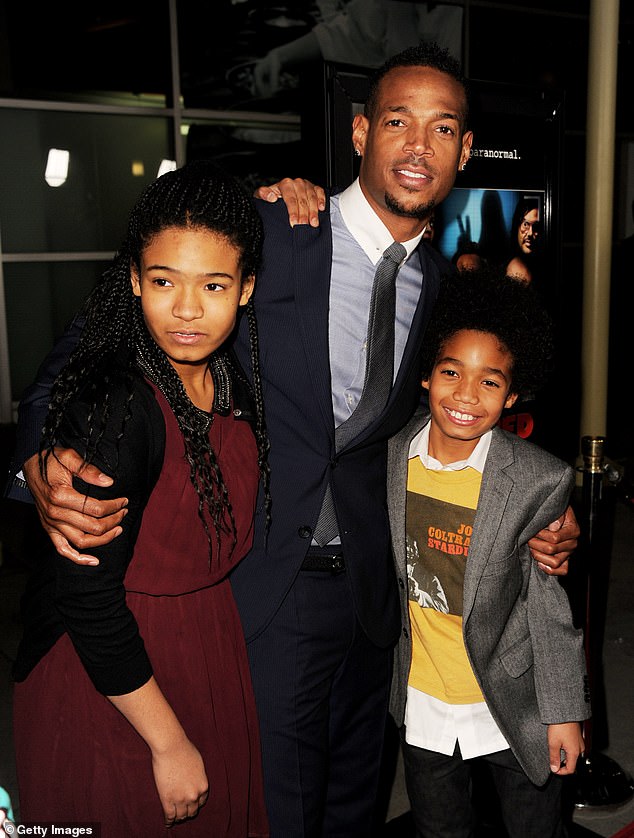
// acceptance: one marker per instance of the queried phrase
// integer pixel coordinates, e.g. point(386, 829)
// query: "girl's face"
point(468, 389)
point(191, 287)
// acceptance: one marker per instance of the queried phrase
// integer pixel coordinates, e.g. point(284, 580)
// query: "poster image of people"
point(503, 227)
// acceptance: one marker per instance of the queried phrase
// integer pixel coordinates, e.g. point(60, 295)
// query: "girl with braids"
point(133, 702)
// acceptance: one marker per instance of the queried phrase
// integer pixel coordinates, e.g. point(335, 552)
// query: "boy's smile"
point(468, 389)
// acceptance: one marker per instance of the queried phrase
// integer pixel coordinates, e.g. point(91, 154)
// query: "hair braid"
point(261, 435)
point(108, 329)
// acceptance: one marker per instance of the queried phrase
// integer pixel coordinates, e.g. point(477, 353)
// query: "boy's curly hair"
point(486, 300)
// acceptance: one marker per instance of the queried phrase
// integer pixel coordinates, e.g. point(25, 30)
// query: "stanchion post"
point(599, 780)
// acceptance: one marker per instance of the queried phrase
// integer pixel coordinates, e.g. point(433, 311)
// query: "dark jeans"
point(440, 792)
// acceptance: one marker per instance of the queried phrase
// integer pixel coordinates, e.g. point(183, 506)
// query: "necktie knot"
point(395, 253)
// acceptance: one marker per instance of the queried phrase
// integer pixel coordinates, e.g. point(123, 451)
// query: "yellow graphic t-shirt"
point(440, 512)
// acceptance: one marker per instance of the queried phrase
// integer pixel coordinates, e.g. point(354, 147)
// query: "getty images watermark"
point(45, 830)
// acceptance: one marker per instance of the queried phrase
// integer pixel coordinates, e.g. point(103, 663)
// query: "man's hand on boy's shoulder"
point(552, 547)
point(303, 199)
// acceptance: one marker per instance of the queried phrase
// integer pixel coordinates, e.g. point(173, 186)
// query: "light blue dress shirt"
point(359, 239)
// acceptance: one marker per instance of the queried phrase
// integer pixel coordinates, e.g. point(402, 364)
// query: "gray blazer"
point(517, 626)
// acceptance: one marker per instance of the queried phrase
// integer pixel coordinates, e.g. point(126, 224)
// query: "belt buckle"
point(326, 562)
point(338, 565)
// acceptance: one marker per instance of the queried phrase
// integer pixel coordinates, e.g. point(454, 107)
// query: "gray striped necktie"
point(379, 372)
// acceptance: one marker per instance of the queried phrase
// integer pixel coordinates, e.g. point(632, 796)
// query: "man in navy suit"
point(321, 622)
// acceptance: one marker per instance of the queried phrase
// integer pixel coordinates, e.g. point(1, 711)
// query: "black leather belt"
point(331, 562)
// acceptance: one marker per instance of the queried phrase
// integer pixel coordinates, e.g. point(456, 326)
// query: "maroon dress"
point(78, 758)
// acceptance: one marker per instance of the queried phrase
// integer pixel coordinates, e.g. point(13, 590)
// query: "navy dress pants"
point(322, 691)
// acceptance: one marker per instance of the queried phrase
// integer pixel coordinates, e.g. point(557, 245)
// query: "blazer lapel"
point(494, 494)
point(398, 451)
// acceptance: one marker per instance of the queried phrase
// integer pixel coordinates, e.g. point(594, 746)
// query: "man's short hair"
point(424, 54)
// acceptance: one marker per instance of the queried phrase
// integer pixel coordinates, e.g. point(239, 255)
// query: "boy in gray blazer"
point(489, 664)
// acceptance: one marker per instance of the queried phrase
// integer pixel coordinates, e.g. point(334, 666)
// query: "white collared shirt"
point(366, 226)
point(429, 722)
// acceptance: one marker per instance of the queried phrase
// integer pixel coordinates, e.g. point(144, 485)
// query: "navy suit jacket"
point(291, 301)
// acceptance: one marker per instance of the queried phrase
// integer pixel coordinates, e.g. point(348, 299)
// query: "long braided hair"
point(115, 342)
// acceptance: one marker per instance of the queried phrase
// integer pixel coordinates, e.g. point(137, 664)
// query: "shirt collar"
point(419, 447)
point(365, 225)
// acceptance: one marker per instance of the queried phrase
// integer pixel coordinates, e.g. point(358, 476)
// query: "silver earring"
point(463, 167)
point(357, 152)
